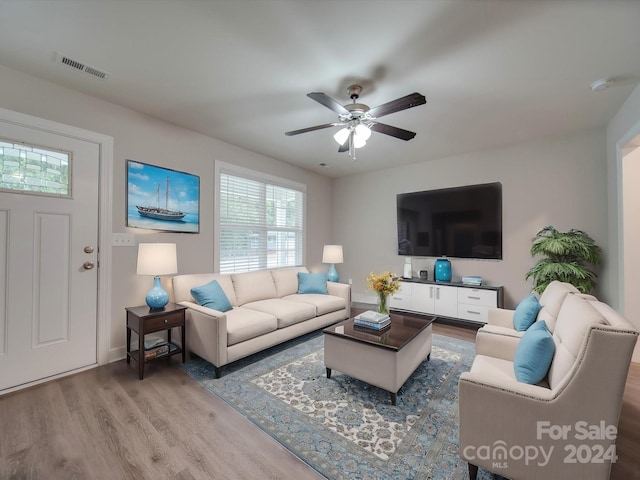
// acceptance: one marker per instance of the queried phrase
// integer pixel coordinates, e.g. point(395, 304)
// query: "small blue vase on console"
point(442, 270)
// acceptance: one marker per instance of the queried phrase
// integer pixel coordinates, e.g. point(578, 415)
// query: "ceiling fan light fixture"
point(341, 136)
point(358, 141)
point(363, 132)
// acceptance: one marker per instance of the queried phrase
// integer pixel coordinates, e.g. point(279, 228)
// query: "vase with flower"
point(384, 284)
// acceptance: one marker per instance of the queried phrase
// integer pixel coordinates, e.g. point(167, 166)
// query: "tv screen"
point(463, 222)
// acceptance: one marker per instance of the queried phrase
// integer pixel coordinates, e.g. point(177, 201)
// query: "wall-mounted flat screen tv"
point(462, 222)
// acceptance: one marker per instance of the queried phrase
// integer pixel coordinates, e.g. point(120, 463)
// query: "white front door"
point(48, 267)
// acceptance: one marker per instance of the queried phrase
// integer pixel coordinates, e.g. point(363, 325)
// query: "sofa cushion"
point(499, 370)
point(211, 295)
point(182, 285)
point(575, 319)
point(253, 286)
point(322, 303)
point(312, 283)
point(286, 311)
point(286, 280)
point(534, 354)
point(526, 313)
point(551, 301)
point(245, 324)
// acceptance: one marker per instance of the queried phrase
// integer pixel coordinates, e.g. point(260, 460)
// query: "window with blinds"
point(260, 223)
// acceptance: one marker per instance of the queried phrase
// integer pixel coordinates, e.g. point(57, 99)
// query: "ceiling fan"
point(359, 120)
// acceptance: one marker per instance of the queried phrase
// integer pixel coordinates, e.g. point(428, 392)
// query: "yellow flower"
point(383, 283)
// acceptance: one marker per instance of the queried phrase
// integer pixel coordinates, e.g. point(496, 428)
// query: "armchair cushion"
point(212, 296)
point(534, 354)
point(526, 313)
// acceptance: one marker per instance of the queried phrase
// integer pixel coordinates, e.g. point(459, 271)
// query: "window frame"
point(242, 172)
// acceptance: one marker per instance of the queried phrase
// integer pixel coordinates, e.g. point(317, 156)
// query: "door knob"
point(88, 265)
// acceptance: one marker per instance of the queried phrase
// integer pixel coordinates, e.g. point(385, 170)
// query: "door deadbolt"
point(88, 249)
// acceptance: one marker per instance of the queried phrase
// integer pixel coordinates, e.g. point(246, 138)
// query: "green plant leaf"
point(565, 258)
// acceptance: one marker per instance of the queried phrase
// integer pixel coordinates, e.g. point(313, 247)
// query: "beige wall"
point(142, 138)
point(631, 238)
point(623, 201)
point(557, 181)
point(620, 130)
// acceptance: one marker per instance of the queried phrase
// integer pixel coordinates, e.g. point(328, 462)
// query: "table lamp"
point(332, 254)
point(157, 259)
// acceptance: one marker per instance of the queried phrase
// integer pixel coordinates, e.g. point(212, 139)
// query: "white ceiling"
point(494, 72)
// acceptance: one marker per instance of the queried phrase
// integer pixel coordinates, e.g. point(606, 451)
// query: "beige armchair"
point(564, 427)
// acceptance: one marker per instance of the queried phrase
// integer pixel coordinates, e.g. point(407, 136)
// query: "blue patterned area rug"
point(345, 428)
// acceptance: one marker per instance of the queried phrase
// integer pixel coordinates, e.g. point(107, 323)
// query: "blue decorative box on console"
point(442, 270)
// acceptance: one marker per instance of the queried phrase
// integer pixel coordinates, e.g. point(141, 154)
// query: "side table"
point(143, 320)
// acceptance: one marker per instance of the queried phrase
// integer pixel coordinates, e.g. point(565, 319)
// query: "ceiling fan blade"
point(328, 102)
point(393, 131)
point(402, 103)
point(310, 129)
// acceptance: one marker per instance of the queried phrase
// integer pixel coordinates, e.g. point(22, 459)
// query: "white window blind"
point(260, 223)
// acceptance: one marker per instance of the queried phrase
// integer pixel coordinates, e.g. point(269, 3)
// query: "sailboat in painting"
point(159, 213)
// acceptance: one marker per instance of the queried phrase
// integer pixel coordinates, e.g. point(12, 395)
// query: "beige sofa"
point(524, 431)
point(267, 310)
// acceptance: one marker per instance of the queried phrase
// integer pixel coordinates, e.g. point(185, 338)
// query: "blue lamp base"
point(332, 275)
point(157, 297)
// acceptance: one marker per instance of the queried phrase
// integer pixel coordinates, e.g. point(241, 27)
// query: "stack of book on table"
point(472, 280)
point(372, 320)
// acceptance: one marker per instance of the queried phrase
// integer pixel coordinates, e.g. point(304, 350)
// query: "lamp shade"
point(341, 136)
point(332, 254)
point(363, 132)
point(157, 259)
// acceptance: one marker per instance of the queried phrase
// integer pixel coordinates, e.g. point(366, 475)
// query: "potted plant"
point(566, 256)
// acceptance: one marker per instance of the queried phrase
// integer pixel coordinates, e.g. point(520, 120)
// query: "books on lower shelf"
point(160, 350)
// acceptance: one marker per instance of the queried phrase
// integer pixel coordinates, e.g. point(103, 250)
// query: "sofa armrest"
point(341, 290)
point(497, 342)
point(500, 317)
point(206, 333)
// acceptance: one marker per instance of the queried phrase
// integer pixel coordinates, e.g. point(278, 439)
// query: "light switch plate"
point(123, 240)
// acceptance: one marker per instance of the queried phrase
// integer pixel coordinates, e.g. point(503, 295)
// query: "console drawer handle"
point(474, 298)
point(166, 321)
point(475, 313)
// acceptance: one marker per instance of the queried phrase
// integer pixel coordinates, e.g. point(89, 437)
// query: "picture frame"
point(162, 199)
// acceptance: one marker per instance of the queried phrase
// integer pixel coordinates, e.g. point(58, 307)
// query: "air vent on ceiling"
point(83, 67)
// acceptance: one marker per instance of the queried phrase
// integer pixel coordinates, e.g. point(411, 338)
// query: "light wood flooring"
point(106, 424)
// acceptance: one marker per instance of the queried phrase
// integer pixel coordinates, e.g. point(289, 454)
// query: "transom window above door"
point(34, 170)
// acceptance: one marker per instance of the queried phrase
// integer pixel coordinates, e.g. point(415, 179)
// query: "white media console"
point(455, 301)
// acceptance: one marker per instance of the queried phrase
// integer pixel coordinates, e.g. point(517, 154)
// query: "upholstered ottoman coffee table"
point(384, 359)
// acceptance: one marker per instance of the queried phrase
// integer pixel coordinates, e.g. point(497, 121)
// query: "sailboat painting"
point(162, 199)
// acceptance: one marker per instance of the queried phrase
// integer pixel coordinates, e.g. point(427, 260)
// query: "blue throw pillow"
point(526, 313)
point(312, 282)
point(534, 354)
point(211, 295)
